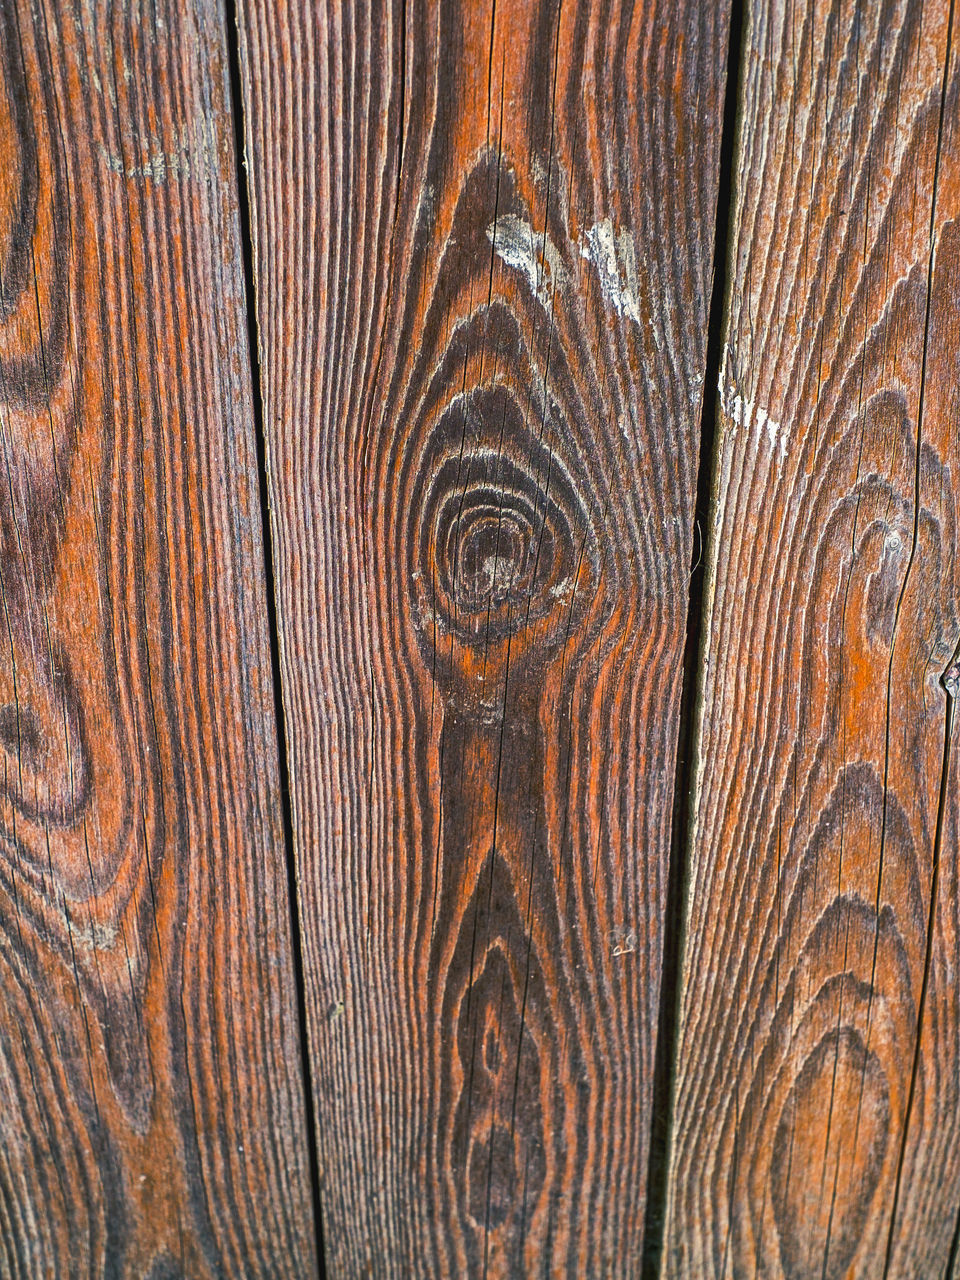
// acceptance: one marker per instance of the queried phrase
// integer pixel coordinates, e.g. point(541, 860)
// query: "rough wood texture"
point(483, 237)
point(817, 1098)
point(150, 1090)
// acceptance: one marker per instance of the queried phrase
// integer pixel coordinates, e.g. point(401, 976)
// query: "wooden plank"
point(151, 1118)
point(816, 1120)
point(483, 238)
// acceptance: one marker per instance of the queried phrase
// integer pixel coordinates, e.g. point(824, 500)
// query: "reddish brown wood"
point(484, 238)
point(816, 1123)
point(150, 1093)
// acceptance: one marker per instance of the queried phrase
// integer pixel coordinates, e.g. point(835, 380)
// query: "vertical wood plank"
point(151, 1118)
point(483, 237)
point(816, 1120)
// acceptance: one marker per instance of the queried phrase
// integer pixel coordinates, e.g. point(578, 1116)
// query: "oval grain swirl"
point(505, 672)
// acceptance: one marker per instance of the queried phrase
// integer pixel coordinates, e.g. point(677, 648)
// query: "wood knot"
point(503, 540)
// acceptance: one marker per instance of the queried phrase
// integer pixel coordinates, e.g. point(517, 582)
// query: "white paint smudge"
point(194, 154)
point(531, 252)
point(743, 413)
point(615, 258)
point(97, 936)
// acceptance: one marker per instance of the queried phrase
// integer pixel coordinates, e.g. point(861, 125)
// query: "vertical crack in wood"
point(949, 681)
point(235, 105)
point(951, 1270)
point(695, 649)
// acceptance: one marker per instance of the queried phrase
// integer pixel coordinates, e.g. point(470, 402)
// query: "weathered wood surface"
point(150, 1092)
point(483, 238)
point(817, 1112)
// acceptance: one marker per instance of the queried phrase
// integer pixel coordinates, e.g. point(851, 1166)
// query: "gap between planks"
point(232, 34)
point(698, 607)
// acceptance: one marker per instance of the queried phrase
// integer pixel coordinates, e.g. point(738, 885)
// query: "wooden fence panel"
point(816, 1120)
point(151, 1113)
point(483, 237)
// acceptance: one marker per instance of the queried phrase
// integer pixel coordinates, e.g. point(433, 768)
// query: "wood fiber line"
point(817, 1104)
point(151, 1120)
point(483, 237)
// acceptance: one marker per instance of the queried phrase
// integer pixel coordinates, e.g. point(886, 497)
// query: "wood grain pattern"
point(150, 1093)
point(483, 238)
point(817, 1094)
